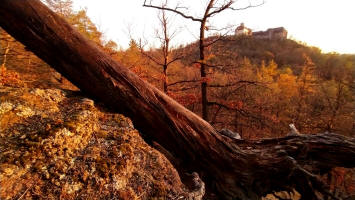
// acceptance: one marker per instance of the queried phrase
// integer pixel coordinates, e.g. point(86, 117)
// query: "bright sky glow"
point(327, 24)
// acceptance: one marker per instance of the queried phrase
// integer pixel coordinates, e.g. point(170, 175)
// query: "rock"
point(87, 101)
point(51, 95)
point(63, 146)
point(8, 171)
point(24, 111)
point(5, 107)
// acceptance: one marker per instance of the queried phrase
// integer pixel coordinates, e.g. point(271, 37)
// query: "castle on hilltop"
point(242, 30)
point(279, 33)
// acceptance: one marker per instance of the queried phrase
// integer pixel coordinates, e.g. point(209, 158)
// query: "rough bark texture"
point(238, 169)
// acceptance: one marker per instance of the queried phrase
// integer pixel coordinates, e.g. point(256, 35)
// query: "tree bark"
point(204, 100)
point(235, 169)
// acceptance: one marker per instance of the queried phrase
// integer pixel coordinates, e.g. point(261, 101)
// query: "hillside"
point(257, 87)
point(283, 52)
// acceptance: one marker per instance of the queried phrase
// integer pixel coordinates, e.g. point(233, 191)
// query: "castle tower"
point(242, 30)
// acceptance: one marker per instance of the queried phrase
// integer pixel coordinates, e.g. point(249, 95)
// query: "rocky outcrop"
point(55, 144)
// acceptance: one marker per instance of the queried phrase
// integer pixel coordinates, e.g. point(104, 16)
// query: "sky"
point(326, 24)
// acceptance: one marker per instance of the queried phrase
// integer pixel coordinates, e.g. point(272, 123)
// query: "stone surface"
point(57, 145)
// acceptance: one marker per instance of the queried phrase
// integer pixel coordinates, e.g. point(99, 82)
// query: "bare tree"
point(165, 36)
point(213, 8)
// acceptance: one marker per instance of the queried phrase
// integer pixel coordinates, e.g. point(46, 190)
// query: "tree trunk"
point(165, 83)
point(234, 168)
point(204, 102)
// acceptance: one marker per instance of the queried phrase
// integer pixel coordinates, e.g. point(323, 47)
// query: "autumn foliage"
point(8, 77)
point(259, 96)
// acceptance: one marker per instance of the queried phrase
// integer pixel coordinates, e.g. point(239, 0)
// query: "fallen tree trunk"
point(234, 168)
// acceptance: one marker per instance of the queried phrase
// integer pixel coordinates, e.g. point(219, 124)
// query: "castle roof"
point(242, 27)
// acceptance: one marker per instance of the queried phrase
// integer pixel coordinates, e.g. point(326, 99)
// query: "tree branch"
point(172, 10)
point(247, 7)
point(183, 89)
point(151, 57)
point(234, 84)
point(220, 9)
point(174, 60)
point(184, 81)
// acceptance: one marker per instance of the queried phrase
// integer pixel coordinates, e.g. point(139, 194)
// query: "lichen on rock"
point(5, 107)
point(57, 145)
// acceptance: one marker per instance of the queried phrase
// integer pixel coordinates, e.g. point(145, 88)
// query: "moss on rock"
point(56, 145)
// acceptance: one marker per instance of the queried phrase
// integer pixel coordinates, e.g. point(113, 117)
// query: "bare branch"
point(174, 60)
point(183, 89)
point(215, 40)
point(172, 10)
point(186, 81)
point(150, 57)
point(249, 6)
point(220, 9)
point(235, 83)
point(208, 65)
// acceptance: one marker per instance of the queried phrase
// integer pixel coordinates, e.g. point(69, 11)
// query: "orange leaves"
point(210, 57)
point(342, 179)
point(196, 65)
point(8, 77)
point(235, 104)
point(205, 80)
point(185, 99)
point(287, 85)
point(231, 104)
